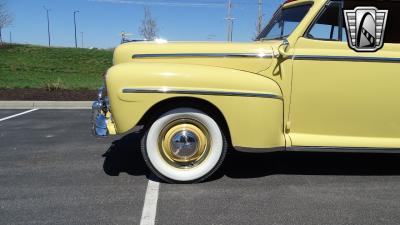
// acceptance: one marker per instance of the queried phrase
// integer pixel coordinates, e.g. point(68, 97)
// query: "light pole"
point(82, 38)
point(76, 41)
point(260, 17)
point(48, 24)
point(230, 21)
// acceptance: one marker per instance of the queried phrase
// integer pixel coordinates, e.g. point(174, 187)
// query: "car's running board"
point(342, 149)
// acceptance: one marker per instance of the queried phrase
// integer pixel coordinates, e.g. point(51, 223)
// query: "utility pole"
point(76, 41)
point(260, 17)
point(10, 38)
point(82, 38)
point(230, 21)
point(48, 24)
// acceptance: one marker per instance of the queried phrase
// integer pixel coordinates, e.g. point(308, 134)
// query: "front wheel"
point(184, 145)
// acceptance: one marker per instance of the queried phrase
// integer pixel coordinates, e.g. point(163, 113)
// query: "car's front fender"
point(252, 105)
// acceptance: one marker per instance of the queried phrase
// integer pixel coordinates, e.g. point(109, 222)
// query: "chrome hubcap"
point(184, 143)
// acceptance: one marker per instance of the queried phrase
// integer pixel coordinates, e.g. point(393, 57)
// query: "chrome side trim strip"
point(259, 150)
point(346, 58)
point(343, 149)
point(204, 55)
point(199, 92)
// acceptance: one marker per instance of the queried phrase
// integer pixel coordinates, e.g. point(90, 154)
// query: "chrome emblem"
point(365, 28)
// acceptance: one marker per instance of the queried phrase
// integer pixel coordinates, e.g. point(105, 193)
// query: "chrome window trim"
point(346, 58)
point(205, 55)
point(198, 92)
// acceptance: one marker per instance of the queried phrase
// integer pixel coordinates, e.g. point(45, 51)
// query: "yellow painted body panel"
point(253, 122)
point(335, 103)
point(124, 53)
point(345, 103)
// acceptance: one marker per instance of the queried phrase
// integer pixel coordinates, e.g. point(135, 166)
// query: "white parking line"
point(150, 204)
point(19, 114)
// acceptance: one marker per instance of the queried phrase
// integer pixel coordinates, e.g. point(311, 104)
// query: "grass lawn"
point(27, 66)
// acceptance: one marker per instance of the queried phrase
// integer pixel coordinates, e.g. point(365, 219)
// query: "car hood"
point(252, 57)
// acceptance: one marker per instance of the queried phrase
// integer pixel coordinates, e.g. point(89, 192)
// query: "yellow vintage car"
point(316, 79)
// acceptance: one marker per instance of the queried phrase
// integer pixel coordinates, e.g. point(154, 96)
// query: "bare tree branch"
point(6, 18)
point(148, 30)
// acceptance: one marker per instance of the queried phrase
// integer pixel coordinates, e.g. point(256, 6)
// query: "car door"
point(343, 99)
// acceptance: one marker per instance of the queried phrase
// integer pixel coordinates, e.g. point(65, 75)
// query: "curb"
point(46, 104)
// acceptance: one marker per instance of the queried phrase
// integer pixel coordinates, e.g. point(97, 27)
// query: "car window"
point(328, 26)
point(284, 22)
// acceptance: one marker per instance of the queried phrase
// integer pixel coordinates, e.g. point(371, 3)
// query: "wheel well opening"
point(179, 102)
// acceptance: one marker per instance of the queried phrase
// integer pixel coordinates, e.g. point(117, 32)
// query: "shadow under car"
point(124, 155)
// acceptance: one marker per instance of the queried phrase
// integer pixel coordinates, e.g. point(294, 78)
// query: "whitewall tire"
point(184, 145)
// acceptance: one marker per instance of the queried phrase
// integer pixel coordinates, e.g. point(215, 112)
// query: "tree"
point(6, 18)
point(148, 30)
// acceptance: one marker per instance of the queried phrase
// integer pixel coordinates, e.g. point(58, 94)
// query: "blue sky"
point(102, 21)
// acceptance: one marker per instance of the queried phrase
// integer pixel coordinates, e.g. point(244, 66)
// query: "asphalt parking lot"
point(52, 171)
